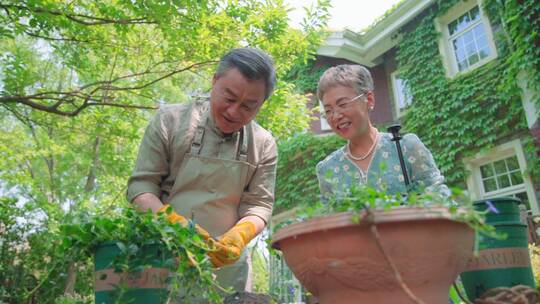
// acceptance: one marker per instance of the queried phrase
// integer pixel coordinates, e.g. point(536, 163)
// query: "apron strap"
point(196, 144)
point(241, 155)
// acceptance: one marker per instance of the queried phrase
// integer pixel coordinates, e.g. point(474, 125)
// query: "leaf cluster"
point(361, 200)
point(132, 232)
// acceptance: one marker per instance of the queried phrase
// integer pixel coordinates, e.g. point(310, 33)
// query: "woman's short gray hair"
point(253, 63)
point(348, 75)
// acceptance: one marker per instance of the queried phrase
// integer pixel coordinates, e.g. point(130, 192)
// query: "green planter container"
point(500, 263)
point(147, 285)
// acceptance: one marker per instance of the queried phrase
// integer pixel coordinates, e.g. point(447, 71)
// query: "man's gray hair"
point(348, 75)
point(253, 63)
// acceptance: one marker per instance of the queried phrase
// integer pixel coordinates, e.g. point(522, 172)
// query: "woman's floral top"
point(337, 173)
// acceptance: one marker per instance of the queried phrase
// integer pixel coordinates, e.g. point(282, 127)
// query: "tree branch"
point(78, 18)
point(89, 94)
point(35, 35)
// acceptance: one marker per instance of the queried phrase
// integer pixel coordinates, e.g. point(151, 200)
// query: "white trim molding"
point(532, 112)
point(509, 149)
point(367, 48)
point(445, 43)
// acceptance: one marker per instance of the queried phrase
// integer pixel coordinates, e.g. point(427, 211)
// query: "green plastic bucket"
point(500, 263)
point(145, 285)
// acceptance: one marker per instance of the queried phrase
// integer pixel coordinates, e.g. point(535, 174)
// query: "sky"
point(351, 14)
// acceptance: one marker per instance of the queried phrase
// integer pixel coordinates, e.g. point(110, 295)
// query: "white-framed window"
point(467, 39)
point(501, 172)
point(324, 123)
point(402, 94)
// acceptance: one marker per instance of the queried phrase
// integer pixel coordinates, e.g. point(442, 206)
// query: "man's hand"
point(174, 217)
point(229, 248)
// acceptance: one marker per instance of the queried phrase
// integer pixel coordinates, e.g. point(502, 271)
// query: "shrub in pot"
point(376, 248)
point(140, 257)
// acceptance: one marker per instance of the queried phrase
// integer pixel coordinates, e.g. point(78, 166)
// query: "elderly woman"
point(369, 157)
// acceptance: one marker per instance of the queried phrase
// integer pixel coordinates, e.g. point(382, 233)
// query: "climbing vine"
point(455, 117)
point(297, 182)
point(305, 76)
point(478, 109)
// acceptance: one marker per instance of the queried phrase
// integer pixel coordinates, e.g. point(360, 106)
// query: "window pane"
point(504, 181)
point(400, 96)
point(483, 53)
point(403, 94)
point(460, 55)
point(452, 27)
point(512, 163)
point(470, 48)
point(516, 178)
point(490, 185)
point(462, 65)
point(468, 37)
point(500, 167)
point(481, 41)
point(474, 13)
point(473, 59)
point(486, 170)
point(464, 21)
point(459, 51)
point(479, 31)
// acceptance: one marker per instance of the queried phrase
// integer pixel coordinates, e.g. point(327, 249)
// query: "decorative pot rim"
point(342, 219)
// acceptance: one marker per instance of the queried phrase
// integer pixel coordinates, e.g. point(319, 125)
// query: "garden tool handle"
point(394, 129)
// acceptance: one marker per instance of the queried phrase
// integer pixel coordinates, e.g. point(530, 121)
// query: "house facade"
point(490, 157)
point(451, 72)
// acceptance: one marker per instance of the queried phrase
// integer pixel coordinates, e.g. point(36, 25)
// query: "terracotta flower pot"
point(340, 262)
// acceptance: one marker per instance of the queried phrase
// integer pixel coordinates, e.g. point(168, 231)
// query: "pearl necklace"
point(368, 152)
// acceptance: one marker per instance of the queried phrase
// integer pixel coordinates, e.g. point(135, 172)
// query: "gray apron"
point(208, 190)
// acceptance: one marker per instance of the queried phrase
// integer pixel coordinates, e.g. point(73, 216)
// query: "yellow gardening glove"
point(229, 248)
point(174, 217)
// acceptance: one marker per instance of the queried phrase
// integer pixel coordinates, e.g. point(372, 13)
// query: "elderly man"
point(212, 163)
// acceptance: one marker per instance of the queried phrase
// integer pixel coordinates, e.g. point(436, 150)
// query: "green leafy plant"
point(131, 231)
point(361, 200)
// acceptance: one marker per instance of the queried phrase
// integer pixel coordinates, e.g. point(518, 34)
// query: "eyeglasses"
point(340, 107)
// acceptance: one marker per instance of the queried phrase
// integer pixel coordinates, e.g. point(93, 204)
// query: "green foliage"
point(78, 82)
point(520, 21)
point(362, 200)
point(260, 270)
point(31, 266)
point(131, 231)
point(454, 117)
point(35, 266)
point(140, 55)
point(305, 76)
point(296, 182)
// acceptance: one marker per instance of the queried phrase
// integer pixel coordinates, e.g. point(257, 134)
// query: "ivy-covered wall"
point(455, 117)
point(296, 181)
point(460, 116)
